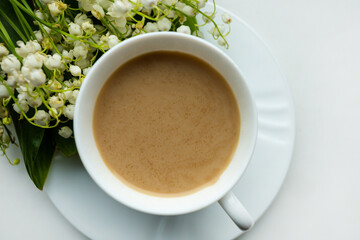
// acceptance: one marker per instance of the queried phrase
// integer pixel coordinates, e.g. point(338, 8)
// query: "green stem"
point(6, 37)
point(11, 93)
point(49, 25)
point(16, 10)
point(143, 15)
point(187, 2)
point(115, 28)
point(103, 21)
point(24, 23)
point(43, 8)
point(48, 107)
point(10, 134)
point(3, 149)
point(49, 37)
point(13, 25)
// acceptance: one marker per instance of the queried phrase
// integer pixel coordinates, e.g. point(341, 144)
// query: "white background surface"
point(317, 44)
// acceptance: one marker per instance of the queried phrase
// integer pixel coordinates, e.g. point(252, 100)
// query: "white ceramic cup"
point(95, 166)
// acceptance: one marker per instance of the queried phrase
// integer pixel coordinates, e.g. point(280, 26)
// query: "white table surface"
point(317, 43)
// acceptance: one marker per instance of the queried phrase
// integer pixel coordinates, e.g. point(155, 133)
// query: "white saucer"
point(98, 216)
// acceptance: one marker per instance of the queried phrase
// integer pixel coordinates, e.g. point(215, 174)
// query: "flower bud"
point(10, 63)
point(88, 27)
point(86, 70)
point(221, 42)
point(149, 4)
point(119, 8)
point(189, 11)
point(39, 36)
point(16, 161)
point(55, 102)
point(3, 50)
point(113, 41)
point(209, 15)
point(184, 29)
point(5, 138)
point(75, 29)
point(226, 18)
point(65, 132)
point(69, 111)
point(97, 11)
point(53, 113)
point(39, 14)
point(73, 96)
point(151, 27)
point(80, 50)
point(57, 8)
point(21, 105)
point(34, 101)
point(201, 3)
point(4, 93)
point(75, 70)
point(54, 62)
point(164, 24)
point(34, 60)
point(31, 46)
point(6, 121)
point(42, 118)
point(216, 31)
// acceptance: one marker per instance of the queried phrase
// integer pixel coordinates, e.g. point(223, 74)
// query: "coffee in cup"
point(166, 123)
point(189, 199)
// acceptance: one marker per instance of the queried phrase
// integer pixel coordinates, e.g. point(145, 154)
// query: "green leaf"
point(37, 146)
point(191, 22)
point(65, 145)
point(6, 7)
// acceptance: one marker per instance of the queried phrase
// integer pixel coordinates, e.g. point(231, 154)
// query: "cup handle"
point(236, 211)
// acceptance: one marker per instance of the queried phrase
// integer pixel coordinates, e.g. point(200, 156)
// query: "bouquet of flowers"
point(48, 46)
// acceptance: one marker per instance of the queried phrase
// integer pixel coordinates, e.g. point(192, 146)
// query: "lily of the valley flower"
point(26, 48)
point(34, 60)
point(226, 18)
point(65, 132)
point(149, 4)
point(54, 62)
point(69, 111)
point(10, 63)
point(35, 76)
point(75, 29)
point(48, 72)
point(164, 24)
point(119, 8)
point(184, 29)
point(4, 93)
point(57, 8)
point(42, 118)
point(21, 105)
point(151, 27)
point(55, 102)
point(97, 11)
point(3, 51)
point(75, 70)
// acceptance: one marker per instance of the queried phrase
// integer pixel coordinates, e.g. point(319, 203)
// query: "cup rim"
point(83, 150)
